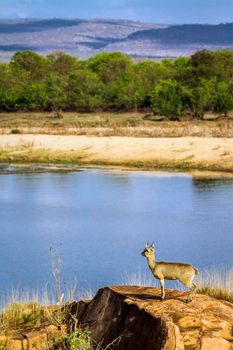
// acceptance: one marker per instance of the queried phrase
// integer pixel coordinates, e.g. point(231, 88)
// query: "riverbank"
point(184, 153)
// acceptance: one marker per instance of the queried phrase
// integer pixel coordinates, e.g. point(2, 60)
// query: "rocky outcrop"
point(134, 318)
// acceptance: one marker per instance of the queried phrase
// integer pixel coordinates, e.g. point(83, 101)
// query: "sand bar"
point(131, 149)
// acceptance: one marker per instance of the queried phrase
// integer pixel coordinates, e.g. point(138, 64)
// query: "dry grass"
point(140, 279)
point(217, 284)
point(42, 156)
point(78, 158)
point(22, 314)
point(166, 164)
point(25, 309)
point(71, 120)
point(19, 316)
point(21, 309)
point(110, 124)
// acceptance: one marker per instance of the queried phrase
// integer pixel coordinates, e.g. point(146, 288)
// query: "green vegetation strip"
point(44, 156)
point(114, 82)
point(40, 156)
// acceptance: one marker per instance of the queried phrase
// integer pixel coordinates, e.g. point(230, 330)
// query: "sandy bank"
point(193, 152)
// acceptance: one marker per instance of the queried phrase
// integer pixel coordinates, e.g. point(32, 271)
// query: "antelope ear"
point(147, 245)
point(152, 245)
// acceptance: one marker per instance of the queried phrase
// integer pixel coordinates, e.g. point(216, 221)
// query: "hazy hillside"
point(221, 34)
point(84, 38)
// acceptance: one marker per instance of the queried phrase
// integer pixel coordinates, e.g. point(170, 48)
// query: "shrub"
point(79, 339)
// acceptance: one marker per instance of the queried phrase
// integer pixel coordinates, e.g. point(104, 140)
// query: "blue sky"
point(157, 11)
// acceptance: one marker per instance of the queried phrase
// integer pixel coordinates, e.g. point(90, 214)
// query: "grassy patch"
point(56, 327)
point(71, 120)
point(21, 309)
point(21, 316)
point(29, 155)
point(111, 124)
point(214, 283)
point(217, 284)
point(164, 164)
point(140, 279)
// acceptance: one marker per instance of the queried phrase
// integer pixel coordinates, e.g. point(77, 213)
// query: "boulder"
point(134, 318)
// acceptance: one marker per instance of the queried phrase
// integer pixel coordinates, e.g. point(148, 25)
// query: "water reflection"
point(212, 183)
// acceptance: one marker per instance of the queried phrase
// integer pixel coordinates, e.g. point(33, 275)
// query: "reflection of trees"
point(113, 177)
point(211, 183)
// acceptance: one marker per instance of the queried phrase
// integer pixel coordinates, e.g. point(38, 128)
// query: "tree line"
point(115, 82)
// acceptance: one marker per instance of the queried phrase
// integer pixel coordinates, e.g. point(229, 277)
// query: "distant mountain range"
point(84, 38)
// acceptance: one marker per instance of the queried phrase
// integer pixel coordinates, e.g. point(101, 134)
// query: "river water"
point(99, 221)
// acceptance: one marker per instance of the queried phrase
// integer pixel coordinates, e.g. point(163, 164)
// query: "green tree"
point(110, 66)
point(223, 98)
point(202, 97)
point(31, 63)
point(61, 63)
point(169, 98)
point(142, 79)
point(83, 91)
point(32, 97)
point(113, 81)
point(54, 90)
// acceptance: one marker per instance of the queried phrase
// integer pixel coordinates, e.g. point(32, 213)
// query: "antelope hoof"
point(162, 298)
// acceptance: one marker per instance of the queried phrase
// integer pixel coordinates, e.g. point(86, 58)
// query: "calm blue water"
point(99, 222)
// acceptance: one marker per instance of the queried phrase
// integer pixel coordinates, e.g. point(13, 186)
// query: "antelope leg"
point(162, 289)
point(192, 291)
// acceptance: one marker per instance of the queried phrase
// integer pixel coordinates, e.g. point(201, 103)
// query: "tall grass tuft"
point(217, 283)
point(21, 309)
point(141, 279)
